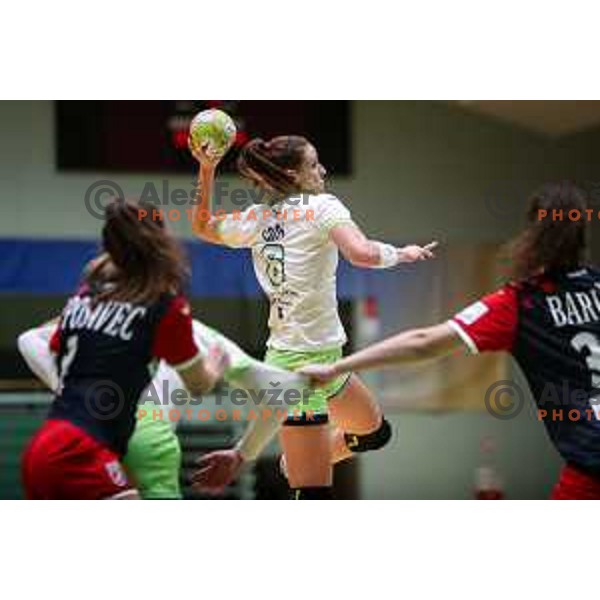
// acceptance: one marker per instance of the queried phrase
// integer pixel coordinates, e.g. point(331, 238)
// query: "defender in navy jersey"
point(548, 318)
point(107, 354)
point(109, 342)
point(550, 324)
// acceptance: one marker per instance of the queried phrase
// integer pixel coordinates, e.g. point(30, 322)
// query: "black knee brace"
point(371, 441)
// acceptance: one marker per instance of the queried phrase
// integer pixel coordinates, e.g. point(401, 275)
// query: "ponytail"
point(266, 164)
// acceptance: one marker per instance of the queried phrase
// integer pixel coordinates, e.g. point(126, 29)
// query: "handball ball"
point(214, 128)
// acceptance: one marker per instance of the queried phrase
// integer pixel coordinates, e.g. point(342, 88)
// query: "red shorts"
point(63, 462)
point(575, 484)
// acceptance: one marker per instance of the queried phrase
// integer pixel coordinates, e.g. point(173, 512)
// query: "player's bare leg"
point(354, 412)
point(307, 452)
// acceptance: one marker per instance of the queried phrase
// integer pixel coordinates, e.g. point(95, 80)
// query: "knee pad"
point(371, 441)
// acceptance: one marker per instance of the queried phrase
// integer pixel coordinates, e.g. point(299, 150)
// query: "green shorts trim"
point(153, 458)
point(316, 403)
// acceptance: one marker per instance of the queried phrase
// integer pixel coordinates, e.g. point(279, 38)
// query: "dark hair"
point(551, 241)
point(99, 269)
point(147, 260)
point(266, 163)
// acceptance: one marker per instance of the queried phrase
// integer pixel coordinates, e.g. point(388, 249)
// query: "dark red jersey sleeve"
point(54, 342)
point(490, 324)
point(174, 340)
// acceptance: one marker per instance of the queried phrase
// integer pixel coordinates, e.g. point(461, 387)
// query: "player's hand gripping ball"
point(212, 133)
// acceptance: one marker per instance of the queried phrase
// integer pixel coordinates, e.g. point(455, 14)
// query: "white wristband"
point(388, 255)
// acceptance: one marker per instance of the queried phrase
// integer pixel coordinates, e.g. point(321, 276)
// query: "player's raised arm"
point(363, 252)
point(229, 230)
point(204, 225)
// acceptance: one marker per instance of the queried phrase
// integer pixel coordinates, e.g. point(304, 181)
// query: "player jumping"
point(295, 236)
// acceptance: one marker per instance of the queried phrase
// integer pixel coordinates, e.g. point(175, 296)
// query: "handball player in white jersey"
point(295, 235)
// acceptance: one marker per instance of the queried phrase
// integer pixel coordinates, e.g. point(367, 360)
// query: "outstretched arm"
point(407, 347)
point(363, 252)
point(217, 469)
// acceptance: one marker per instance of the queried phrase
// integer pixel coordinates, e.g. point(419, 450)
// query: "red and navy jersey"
point(551, 326)
point(107, 354)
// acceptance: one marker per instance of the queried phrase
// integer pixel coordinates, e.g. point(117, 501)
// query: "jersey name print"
point(574, 308)
point(112, 318)
point(106, 354)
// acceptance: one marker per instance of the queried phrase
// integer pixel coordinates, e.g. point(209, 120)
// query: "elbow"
point(422, 345)
point(24, 342)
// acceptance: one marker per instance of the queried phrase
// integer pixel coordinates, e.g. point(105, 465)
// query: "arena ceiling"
point(549, 117)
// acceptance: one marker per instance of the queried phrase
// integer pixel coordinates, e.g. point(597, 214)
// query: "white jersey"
point(295, 262)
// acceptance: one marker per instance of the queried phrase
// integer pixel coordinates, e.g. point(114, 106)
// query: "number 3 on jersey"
point(589, 341)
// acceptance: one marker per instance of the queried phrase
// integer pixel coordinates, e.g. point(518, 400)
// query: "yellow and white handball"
point(215, 129)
